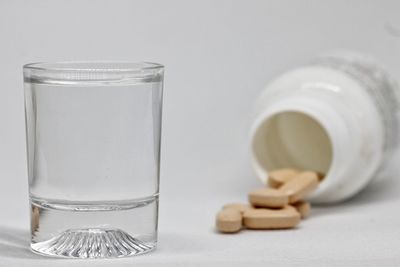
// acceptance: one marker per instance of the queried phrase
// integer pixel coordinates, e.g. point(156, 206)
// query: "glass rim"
point(90, 71)
point(112, 65)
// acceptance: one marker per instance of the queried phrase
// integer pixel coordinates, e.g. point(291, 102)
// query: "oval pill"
point(278, 177)
point(284, 218)
point(300, 186)
point(303, 207)
point(268, 197)
point(229, 220)
point(238, 206)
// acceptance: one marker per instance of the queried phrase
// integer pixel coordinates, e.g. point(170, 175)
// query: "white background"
point(218, 56)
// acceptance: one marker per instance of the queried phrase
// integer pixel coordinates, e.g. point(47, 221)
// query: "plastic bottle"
point(338, 116)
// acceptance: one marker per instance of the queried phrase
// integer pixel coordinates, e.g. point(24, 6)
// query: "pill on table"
point(278, 177)
point(229, 220)
point(303, 207)
point(301, 185)
point(286, 217)
point(238, 206)
point(34, 219)
point(268, 197)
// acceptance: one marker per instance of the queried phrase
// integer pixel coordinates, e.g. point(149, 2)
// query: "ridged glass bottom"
point(94, 230)
point(92, 243)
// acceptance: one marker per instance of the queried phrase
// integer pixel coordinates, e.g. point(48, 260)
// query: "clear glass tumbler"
point(93, 145)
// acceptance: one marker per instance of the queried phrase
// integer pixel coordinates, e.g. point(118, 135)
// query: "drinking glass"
point(93, 147)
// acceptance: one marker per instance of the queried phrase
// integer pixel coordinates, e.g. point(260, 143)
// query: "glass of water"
point(93, 146)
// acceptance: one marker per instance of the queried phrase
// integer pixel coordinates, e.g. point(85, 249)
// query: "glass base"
point(92, 243)
point(94, 230)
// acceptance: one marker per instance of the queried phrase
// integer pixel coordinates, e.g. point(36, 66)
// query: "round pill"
point(238, 206)
point(229, 221)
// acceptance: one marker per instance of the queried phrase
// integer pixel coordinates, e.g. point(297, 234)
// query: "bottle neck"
point(309, 132)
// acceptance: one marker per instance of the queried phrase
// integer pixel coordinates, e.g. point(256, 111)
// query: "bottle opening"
point(292, 139)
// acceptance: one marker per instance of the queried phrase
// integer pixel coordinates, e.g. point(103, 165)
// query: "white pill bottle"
point(338, 116)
